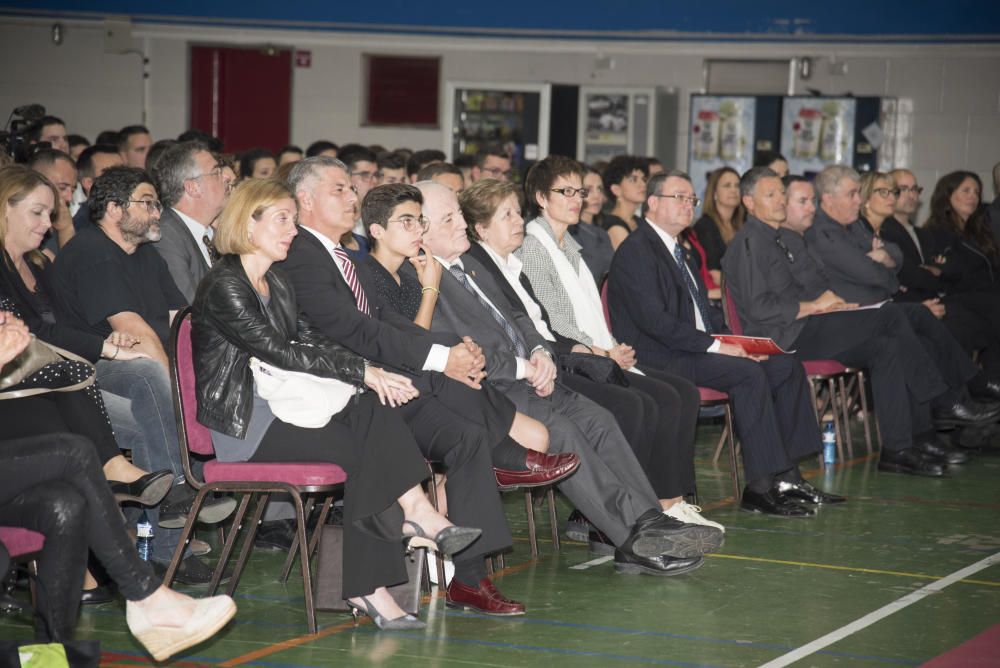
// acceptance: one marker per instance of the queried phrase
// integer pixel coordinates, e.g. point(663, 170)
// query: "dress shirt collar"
point(512, 266)
point(197, 232)
point(448, 264)
point(323, 239)
point(664, 237)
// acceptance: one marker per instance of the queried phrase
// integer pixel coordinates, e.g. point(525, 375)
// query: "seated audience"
point(91, 164)
point(420, 159)
point(76, 145)
point(492, 163)
point(134, 142)
point(465, 162)
point(625, 186)
point(392, 167)
point(245, 309)
point(49, 129)
point(595, 244)
point(288, 154)
point(257, 163)
point(60, 170)
point(773, 160)
point(321, 147)
point(444, 173)
point(722, 216)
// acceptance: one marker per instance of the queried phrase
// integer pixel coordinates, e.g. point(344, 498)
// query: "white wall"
point(949, 94)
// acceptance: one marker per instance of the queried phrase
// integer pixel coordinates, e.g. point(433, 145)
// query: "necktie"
point(352, 280)
point(517, 345)
point(699, 299)
point(213, 254)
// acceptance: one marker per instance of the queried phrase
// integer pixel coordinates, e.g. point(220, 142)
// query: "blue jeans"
point(148, 425)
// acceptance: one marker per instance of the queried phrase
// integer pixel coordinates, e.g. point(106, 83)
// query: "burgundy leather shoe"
point(542, 469)
point(486, 599)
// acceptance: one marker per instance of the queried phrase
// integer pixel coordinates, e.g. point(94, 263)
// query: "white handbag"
point(300, 398)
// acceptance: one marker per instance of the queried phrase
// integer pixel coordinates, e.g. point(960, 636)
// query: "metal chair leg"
point(300, 521)
point(241, 562)
point(532, 536)
point(863, 397)
point(290, 559)
point(732, 453)
point(553, 518)
point(721, 444)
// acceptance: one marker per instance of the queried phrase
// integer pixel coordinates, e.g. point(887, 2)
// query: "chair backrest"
point(604, 304)
point(729, 310)
point(193, 434)
point(19, 541)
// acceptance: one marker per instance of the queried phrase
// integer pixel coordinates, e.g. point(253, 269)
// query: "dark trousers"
point(953, 364)
point(54, 485)
point(904, 378)
point(973, 318)
point(58, 413)
point(461, 436)
point(372, 444)
point(658, 414)
point(772, 406)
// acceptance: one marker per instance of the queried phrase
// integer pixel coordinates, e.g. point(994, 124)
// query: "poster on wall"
point(720, 134)
point(607, 126)
point(816, 132)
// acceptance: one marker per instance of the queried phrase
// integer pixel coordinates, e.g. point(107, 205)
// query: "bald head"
point(909, 194)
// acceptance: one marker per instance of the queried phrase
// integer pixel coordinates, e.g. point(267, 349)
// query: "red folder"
point(753, 345)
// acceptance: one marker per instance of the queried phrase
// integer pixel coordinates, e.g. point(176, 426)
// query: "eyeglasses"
point(412, 223)
point(911, 189)
point(885, 192)
point(572, 192)
point(683, 199)
point(787, 251)
point(366, 175)
point(152, 205)
point(496, 172)
point(215, 173)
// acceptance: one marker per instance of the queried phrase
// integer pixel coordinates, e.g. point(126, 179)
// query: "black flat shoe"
point(629, 563)
point(940, 451)
point(774, 503)
point(805, 491)
point(98, 595)
point(963, 414)
point(148, 490)
point(909, 462)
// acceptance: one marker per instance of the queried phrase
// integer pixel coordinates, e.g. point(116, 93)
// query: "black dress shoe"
point(941, 452)
point(772, 502)
point(599, 543)
point(631, 564)
point(990, 390)
point(655, 534)
point(963, 414)
point(148, 490)
point(911, 462)
point(192, 571)
point(99, 595)
point(805, 491)
point(276, 535)
point(177, 505)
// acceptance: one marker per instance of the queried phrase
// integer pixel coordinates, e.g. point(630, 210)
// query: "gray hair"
point(826, 182)
point(429, 187)
point(654, 183)
point(749, 181)
point(175, 166)
point(308, 169)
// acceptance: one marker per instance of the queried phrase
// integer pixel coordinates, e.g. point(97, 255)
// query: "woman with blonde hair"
point(244, 308)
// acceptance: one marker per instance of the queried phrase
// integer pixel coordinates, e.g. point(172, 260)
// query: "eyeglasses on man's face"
point(412, 223)
point(215, 173)
point(683, 199)
point(366, 175)
point(916, 190)
point(152, 205)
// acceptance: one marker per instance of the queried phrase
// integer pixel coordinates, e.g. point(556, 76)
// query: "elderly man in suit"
point(610, 487)
point(658, 305)
point(193, 190)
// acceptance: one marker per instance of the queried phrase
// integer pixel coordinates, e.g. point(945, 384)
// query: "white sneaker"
point(685, 512)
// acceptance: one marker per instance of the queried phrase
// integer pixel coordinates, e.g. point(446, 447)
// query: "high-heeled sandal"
point(448, 541)
point(210, 615)
point(404, 623)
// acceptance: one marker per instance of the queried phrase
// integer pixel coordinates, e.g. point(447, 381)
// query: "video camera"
point(13, 138)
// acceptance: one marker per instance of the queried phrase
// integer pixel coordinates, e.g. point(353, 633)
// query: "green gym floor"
point(907, 572)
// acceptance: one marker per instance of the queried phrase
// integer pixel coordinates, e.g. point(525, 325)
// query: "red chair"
point(24, 545)
point(709, 398)
point(827, 378)
point(246, 478)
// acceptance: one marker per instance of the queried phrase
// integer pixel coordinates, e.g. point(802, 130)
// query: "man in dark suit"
point(658, 306)
point(610, 487)
point(322, 276)
point(192, 188)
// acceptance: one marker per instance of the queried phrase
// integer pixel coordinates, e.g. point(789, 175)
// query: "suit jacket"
point(327, 301)
point(182, 253)
point(919, 283)
point(651, 308)
point(853, 275)
point(562, 344)
point(459, 312)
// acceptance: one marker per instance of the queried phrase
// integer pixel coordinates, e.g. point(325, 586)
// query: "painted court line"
point(593, 562)
point(883, 612)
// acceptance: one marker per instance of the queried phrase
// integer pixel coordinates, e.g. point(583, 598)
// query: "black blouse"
point(711, 242)
point(404, 298)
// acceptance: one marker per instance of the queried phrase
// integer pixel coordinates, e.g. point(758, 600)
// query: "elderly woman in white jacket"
point(566, 308)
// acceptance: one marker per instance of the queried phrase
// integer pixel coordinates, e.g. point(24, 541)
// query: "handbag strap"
point(83, 384)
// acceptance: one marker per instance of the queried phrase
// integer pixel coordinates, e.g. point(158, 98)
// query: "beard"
point(137, 231)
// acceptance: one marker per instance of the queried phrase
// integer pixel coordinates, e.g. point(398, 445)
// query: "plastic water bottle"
point(829, 444)
point(144, 537)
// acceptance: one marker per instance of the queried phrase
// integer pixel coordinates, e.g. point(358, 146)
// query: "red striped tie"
point(352, 279)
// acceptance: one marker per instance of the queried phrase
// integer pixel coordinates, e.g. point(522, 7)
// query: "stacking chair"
point(23, 545)
point(248, 479)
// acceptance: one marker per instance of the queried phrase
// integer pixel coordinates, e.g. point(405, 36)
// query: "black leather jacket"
point(230, 324)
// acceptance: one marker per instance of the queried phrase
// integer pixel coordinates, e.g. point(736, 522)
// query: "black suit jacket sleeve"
point(910, 274)
point(518, 318)
point(328, 303)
